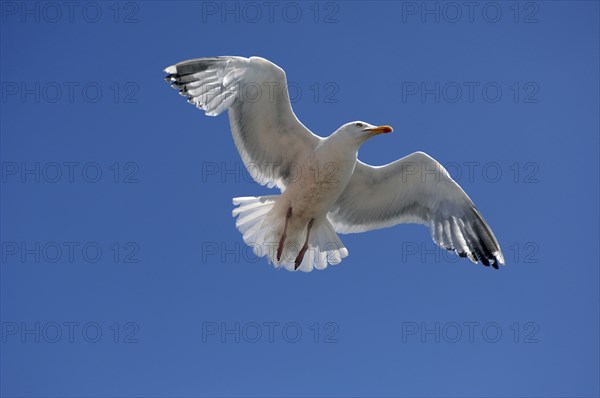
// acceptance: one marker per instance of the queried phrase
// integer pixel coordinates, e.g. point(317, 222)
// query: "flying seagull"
point(325, 188)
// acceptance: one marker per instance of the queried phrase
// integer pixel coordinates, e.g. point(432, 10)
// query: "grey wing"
point(416, 189)
point(266, 132)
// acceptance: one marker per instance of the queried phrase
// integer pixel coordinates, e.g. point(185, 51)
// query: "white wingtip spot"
point(499, 256)
point(343, 252)
point(171, 70)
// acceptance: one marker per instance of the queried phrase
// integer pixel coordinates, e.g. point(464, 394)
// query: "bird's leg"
point(283, 235)
point(305, 247)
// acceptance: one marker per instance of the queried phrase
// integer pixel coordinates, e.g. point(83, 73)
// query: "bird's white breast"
point(320, 179)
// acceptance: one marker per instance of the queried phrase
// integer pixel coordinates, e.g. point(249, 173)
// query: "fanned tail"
point(261, 224)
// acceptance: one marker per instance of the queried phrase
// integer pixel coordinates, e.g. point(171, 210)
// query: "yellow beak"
point(380, 130)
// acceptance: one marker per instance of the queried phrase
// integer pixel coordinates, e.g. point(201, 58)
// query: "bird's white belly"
point(317, 186)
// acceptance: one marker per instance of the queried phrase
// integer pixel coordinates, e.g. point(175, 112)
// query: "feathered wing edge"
point(384, 196)
point(266, 132)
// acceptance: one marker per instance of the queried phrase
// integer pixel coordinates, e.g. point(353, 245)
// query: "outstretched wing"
point(267, 133)
point(416, 189)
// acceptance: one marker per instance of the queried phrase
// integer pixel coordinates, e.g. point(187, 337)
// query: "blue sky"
point(122, 272)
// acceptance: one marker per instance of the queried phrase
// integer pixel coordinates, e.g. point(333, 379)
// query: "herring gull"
point(325, 189)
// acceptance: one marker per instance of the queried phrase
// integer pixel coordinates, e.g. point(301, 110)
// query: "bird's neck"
point(339, 150)
point(344, 140)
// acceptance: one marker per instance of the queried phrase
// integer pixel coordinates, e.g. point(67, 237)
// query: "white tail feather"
point(261, 224)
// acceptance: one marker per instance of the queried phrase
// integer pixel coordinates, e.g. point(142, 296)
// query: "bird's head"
point(361, 131)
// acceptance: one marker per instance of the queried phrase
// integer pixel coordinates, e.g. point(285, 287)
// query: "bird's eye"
point(359, 124)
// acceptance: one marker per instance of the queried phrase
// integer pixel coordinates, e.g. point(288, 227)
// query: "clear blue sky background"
point(351, 60)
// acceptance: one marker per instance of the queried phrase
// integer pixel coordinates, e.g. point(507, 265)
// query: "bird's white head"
point(359, 131)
